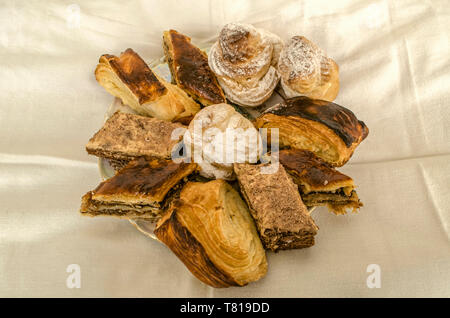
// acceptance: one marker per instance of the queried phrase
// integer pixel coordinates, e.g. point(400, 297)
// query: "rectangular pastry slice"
point(129, 78)
point(330, 131)
point(318, 182)
point(124, 137)
point(190, 70)
point(282, 219)
point(209, 228)
point(143, 189)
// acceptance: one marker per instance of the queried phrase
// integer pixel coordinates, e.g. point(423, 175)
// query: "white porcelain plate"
point(160, 67)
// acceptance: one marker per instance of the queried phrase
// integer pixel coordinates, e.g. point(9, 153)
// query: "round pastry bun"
point(217, 137)
point(243, 59)
point(305, 70)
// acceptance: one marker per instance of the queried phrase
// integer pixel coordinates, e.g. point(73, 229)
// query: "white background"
point(394, 71)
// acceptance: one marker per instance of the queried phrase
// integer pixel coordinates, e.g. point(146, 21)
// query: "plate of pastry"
point(220, 218)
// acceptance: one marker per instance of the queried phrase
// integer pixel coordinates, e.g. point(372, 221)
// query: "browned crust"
point(145, 177)
point(312, 173)
point(127, 136)
point(136, 75)
point(276, 206)
point(337, 118)
point(142, 185)
point(178, 238)
point(189, 67)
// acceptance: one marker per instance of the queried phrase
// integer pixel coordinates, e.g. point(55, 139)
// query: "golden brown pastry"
point(129, 78)
point(306, 70)
point(211, 231)
point(241, 60)
point(124, 137)
point(274, 201)
point(319, 183)
point(330, 131)
point(190, 70)
point(143, 189)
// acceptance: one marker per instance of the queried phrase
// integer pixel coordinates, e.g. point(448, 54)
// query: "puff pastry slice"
point(319, 183)
point(211, 231)
point(330, 131)
point(190, 70)
point(129, 78)
point(143, 189)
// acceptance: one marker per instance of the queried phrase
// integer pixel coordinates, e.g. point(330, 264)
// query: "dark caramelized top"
point(191, 68)
point(136, 74)
point(310, 169)
point(340, 119)
point(147, 177)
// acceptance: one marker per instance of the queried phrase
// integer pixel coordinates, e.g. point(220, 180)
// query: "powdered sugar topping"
point(301, 58)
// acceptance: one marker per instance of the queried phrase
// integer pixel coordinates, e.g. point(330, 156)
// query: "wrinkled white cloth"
point(394, 71)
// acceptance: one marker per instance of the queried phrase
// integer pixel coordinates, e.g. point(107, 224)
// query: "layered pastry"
point(330, 131)
point(124, 137)
point(211, 231)
point(217, 137)
point(319, 183)
point(305, 70)
point(277, 44)
point(242, 61)
point(281, 216)
point(143, 189)
point(129, 78)
point(190, 70)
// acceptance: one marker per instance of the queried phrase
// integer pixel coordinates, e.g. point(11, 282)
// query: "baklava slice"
point(330, 131)
point(209, 228)
point(129, 78)
point(125, 137)
point(190, 70)
point(319, 183)
point(282, 219)
point(143, 189)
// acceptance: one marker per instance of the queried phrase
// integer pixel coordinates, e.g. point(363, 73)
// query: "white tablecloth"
point(394, 70)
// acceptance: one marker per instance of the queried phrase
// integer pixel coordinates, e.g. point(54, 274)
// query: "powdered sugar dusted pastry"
point(305, 70)
point(217, 137)
point(251, 96)
point(277, 44)
point(241, 60)
point(129, 78)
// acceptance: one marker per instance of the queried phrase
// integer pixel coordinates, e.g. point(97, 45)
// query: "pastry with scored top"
point(305, 70)
point(282, 219)
point(129, 78)
point(319, 183)
point(209, 228)
point(125, 137)
point(143, 189)
point(242, 61)
point(190, 70)
point(330, 131)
